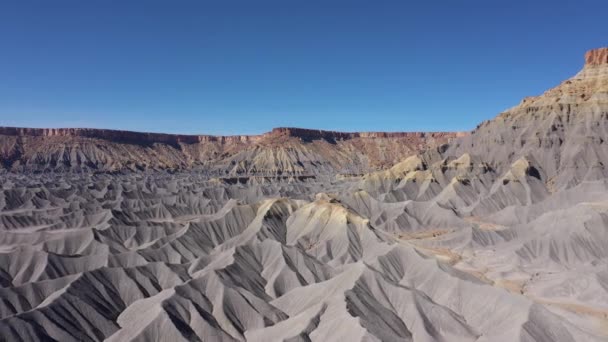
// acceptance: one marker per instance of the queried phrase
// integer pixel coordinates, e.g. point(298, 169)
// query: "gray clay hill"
point(499, 234)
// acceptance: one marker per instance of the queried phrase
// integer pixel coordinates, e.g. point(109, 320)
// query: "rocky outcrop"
point(596, 57)
point(565, 129)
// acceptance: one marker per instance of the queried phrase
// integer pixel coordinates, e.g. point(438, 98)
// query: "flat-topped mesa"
point(596, 57)
point(125, 136)
point(175, 139)
point(282, 151)
point(313, 134)
point(306, 134)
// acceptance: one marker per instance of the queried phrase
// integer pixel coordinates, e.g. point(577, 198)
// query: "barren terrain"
point(500, 234)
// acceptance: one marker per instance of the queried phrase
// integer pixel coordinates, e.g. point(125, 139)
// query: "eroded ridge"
point(500, 235)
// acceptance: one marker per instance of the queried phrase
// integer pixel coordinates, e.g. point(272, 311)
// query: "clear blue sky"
point(232, 67)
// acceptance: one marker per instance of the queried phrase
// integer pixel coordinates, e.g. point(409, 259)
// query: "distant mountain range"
point(282, 151)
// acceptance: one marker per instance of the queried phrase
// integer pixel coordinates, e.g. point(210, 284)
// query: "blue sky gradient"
point(243, 67)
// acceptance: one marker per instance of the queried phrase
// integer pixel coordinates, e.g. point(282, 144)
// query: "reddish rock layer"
point(282, 151)
point(143, 137)
point(597, 56)
point(124, 136)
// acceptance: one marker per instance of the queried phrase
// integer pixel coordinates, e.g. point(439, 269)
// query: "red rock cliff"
point(596, 57)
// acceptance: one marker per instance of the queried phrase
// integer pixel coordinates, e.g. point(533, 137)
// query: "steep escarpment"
point(291, 151)
point(565, 129)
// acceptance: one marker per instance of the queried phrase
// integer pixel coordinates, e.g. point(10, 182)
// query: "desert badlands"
point(498, 234)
